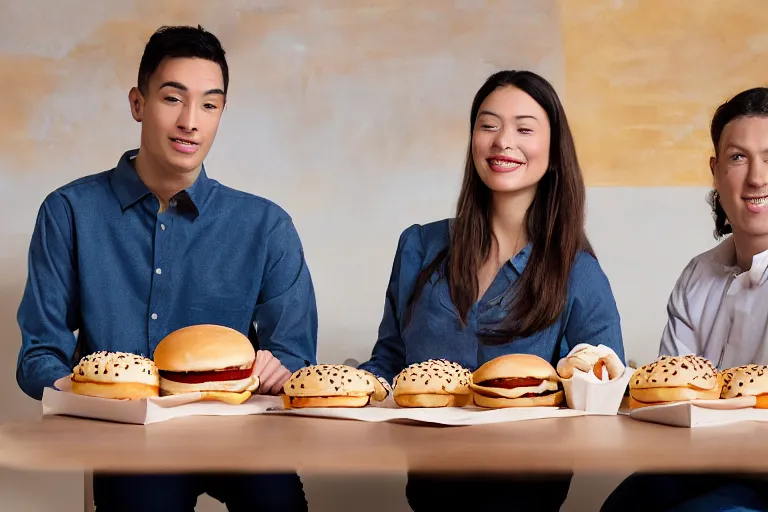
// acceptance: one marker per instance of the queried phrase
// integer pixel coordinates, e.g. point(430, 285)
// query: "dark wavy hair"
point(554, 224)
point(749, 103)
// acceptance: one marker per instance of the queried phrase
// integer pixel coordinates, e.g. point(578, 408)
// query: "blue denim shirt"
point(103, 262)
point(434, 331)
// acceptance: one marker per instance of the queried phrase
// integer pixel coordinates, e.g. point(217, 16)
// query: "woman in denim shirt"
point(513, 272)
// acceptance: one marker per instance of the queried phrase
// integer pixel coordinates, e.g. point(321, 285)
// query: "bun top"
point(438, 376)
point(515, 365)
point(116, 367)
point(330, 380)
point(747, 380)
point(674, 372)
point(200, 348)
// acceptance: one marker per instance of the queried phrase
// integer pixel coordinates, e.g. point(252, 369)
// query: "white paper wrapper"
point(702, 413)
point(587, 393)
point(448, 416)
point(62, 401)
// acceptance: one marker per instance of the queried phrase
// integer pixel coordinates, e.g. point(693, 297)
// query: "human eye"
point(171, 99)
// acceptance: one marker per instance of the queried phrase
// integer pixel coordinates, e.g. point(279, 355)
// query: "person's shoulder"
point(84, 188)
point(249, 204)
point(429, 238)
point(709, 266)
point(586, 266)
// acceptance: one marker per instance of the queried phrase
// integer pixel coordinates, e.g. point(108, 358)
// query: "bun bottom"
point(635, 404)
point(431, 400)
point(115, 390)
point(551, 400)
point(298, 402)
point(659, 395)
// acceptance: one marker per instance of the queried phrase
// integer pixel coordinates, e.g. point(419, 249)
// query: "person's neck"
point(508, 222)
point(747, 247)
point(162, 182)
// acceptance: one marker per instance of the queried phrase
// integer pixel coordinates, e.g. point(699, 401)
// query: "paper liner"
point(702, 413)
point(61, 401)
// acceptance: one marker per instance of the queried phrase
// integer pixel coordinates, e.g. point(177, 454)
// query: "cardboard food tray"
point(61, 401)
point(702, 413)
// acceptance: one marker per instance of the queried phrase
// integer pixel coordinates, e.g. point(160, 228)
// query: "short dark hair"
point(180, 42)
point(750, 103)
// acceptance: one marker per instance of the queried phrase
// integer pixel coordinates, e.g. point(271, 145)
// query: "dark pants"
point(700, 492)
point(487, 492)
point(241, 492)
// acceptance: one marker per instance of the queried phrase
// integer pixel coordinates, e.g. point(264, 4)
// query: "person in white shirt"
point(718, 308)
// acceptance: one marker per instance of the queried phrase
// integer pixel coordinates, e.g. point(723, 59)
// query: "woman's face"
point(740, 173)
point(510, 141)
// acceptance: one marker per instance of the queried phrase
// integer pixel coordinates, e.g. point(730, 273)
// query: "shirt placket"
point(158, 311)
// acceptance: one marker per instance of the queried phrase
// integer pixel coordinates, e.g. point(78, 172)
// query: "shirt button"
point(162, 226)
point(173, 203)
point(158, 271)
point(154, 316)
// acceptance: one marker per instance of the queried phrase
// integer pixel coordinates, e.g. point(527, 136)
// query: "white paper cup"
point(584, 393)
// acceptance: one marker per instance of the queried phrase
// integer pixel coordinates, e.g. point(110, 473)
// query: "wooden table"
point(264, 443)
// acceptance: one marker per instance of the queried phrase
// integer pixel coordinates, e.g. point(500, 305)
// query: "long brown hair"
point(554, 224)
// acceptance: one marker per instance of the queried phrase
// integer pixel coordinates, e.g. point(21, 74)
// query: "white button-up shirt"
point(719, 312)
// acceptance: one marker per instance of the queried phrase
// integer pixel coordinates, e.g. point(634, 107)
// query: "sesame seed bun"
point(332, 385)
point(432, 383)
point(747, 380)
point(516, 380)
point(676, 379)
point(117, 375)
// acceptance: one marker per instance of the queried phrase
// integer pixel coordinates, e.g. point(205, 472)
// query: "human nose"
point(757, 174)
point(187, 119)
point(505, 138)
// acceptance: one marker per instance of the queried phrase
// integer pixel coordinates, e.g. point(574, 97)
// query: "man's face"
point(180, 113)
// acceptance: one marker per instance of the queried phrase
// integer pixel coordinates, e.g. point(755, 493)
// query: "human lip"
point(184, 145)
point(502, 163)
point(756, 204)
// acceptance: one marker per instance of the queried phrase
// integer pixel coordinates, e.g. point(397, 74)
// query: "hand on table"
point(271, 373)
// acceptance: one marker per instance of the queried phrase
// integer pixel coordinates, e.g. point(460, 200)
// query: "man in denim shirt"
point(129, 255)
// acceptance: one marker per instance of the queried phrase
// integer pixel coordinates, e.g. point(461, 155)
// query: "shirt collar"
point(129, 188)
point(725, 256)
point(520, 260)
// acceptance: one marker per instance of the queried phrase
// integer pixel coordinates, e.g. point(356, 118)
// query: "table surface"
point(262, 443)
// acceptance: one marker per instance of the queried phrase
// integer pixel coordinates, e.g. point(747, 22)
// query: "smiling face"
point(510, 141)
point(180, 112)
point(740, 172)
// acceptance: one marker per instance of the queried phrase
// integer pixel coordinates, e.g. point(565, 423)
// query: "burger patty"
point(512, 383)
point(209, 376)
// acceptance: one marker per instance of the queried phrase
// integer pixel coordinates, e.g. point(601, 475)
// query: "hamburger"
point(434, 383)
point(674, 379)
point(516, 380)
point(747, 380)
point(117, 375)
point(210, 359)
point(332, 385)
point(591, 359)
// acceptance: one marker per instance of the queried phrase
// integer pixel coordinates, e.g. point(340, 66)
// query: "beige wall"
point(355, 120)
